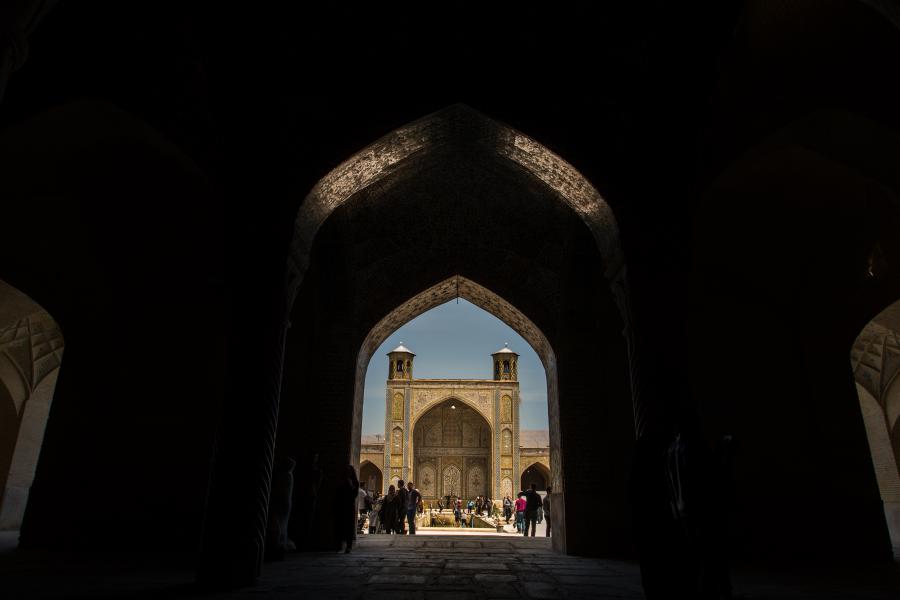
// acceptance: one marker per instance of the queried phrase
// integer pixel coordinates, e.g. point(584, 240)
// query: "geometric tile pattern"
point(875, 359)
point(34, 345)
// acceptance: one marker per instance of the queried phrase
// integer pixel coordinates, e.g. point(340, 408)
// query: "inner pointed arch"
point(482, 297)
point(445, 291)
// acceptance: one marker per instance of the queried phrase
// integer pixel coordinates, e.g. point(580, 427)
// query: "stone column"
point(517, 474)
point(407, 440)
point(495, 458)
point(234, 531)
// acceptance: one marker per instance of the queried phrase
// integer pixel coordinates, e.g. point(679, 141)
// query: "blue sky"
point(455, 341)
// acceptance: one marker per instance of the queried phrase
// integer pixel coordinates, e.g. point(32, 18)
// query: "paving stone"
point(585, 580)
point(394, 594)
point(542, 591)
point(476, 566)
point(533, 576)
point(501, 590)
point(456, 580)
point(495, 578)
point(409, 570)
point(449, 595)
point(398, 579)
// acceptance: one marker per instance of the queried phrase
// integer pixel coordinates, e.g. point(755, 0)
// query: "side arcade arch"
point(875, 360)
point(31, 349)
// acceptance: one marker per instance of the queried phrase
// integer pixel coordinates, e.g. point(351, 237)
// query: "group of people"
point(481, 505)
point(391, 512)
point(529, 508)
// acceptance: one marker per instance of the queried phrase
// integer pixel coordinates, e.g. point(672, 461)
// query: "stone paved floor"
point(455, 568)
point(423, 567)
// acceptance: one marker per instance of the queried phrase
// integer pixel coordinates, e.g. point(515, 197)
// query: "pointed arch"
point(537, 472)
point(492, 303)
point(462, 127)
point(875, 360)
point(31, 349)
point(459, 140)
point(371, 475)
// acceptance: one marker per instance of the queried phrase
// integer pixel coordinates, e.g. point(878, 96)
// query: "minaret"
point(400, 363)
point(506, 366)
point(396, 428)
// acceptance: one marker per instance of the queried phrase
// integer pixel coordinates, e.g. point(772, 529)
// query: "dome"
point(401, 348)
point(504, 350)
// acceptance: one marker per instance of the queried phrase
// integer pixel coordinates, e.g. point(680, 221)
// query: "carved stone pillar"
point(234, 531)
point(386, 470)
point(515, 426)
point(495, 458)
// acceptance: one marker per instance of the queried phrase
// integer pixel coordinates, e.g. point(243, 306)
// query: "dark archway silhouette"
point(564, 237)
point(370, 476)
point(536, 473)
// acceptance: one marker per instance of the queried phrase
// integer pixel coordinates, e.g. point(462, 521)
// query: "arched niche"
point(371, 476)
point(452, 435)
point(538, 473)
point(31, 349)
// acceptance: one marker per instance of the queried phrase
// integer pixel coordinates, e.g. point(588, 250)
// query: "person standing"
point(280, 501)
point(345, 502)
point(413, 499)
point(507, 508)
point(532, 504)
point(547, 505)
point(388, 514)
point(310, 483)
point(363, 504)
point(375, 514)
point(402, 497)
point(520, 512)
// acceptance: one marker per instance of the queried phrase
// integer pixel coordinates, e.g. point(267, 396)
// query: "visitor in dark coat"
point(390, 511)
point(345, 512)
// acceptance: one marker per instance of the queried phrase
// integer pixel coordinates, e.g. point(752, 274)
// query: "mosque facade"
point(454, 437)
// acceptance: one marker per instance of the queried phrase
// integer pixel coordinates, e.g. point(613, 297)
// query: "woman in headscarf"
point(390, 511)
